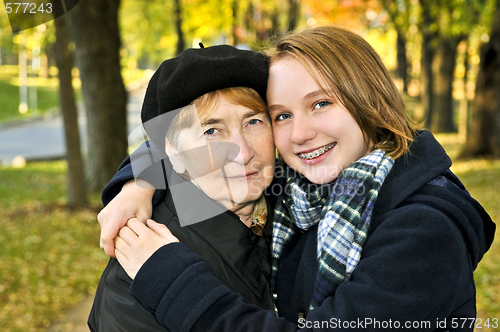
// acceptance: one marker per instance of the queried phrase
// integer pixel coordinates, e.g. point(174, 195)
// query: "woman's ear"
point(173, 155)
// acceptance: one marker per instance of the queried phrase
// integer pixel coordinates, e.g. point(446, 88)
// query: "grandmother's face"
point(228, 153)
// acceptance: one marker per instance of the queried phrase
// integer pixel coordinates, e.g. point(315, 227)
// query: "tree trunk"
point(402, 71)
point(443, 70)
point(93, 26)
point(464, 102)
point(484, 137)
point(178, 27)
point(426, 81)
point(293, 14)
point(77, 194)
point(234, 26)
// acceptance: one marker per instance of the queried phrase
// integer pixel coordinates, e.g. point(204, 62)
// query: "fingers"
point(127, 234)
point(108, 247)
point(123, 259)
point(110, 223)
point(121, 246)
point(137, 226)
point(108, 233)
point(162, 231)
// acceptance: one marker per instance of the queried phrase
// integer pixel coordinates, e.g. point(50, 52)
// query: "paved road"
point(44, 138)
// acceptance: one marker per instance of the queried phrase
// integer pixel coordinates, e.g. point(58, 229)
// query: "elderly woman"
point(219, 160)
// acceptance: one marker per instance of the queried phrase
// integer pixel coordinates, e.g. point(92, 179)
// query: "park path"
point(42, 138)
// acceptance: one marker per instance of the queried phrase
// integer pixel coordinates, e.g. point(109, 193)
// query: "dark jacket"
point(239, 259)
point(426, 238)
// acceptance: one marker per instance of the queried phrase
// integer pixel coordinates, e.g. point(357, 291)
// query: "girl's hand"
point(136, 243)
point(133, 201)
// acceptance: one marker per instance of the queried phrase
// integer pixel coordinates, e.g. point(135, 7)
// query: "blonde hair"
point(357, 78)
point(208, 103)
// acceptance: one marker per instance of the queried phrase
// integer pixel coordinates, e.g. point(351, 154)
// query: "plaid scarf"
point(341, 209)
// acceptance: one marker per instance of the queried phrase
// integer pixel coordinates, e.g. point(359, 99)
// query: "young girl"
point(371, 231)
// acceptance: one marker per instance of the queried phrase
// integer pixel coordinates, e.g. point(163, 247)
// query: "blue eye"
point(253, 122)
point(283, 116)
point(211, 131)
point(322, 104)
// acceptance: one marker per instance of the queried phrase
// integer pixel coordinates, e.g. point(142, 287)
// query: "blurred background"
point(71, 92)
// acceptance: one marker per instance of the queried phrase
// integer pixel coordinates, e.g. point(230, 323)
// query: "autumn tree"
point(484, 136)
point(178, 27)
point(293, 14)
point(444, 24)
point(77, 193)
point(399, 12)
point(93, 26)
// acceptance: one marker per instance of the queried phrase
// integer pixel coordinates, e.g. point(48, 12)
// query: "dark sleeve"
point(144, 163)
point(414, 269)
point(412, 266)
point(185, 295)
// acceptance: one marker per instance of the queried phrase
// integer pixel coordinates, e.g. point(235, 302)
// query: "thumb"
point(161, 230)
point(158, 228)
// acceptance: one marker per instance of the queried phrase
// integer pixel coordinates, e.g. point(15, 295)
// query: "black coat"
point(238, 257)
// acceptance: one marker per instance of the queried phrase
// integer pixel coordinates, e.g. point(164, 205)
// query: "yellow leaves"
point(49, 255)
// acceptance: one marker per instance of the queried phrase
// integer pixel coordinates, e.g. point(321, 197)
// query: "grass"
point(481, 178)
point(50, 255)
point(50, 258)
point(47, 94)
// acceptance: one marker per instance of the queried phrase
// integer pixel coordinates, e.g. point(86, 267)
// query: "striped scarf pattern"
point(341, 209)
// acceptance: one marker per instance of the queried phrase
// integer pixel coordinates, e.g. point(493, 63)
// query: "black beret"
point(180, 80)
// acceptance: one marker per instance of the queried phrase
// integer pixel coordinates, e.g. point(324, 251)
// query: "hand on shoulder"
point(133, 201)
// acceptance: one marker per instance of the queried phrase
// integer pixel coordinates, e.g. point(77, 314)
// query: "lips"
point(317, 152)
point(243, 176)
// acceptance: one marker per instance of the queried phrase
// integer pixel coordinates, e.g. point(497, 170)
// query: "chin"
point(321, 179)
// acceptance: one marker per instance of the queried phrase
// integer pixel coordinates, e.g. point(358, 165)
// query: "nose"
point(302, 130)
point(246, 152)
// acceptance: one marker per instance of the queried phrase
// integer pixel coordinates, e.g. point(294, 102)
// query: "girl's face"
point(314, 134)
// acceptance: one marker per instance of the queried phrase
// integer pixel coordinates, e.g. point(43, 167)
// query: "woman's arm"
point(412, 266)
point(125, 198)
point(133, 201)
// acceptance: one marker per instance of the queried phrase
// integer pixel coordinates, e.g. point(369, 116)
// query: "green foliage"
point(147, 31)
point(47, 94)
point(149, 37)
point(399, 11)
point(454, 17)
point(49, 255)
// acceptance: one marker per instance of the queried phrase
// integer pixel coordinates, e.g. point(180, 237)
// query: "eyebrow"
point(212, 121)
point(310, 95)
point(251, 113)
point(314, 94)
point(273, 108)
